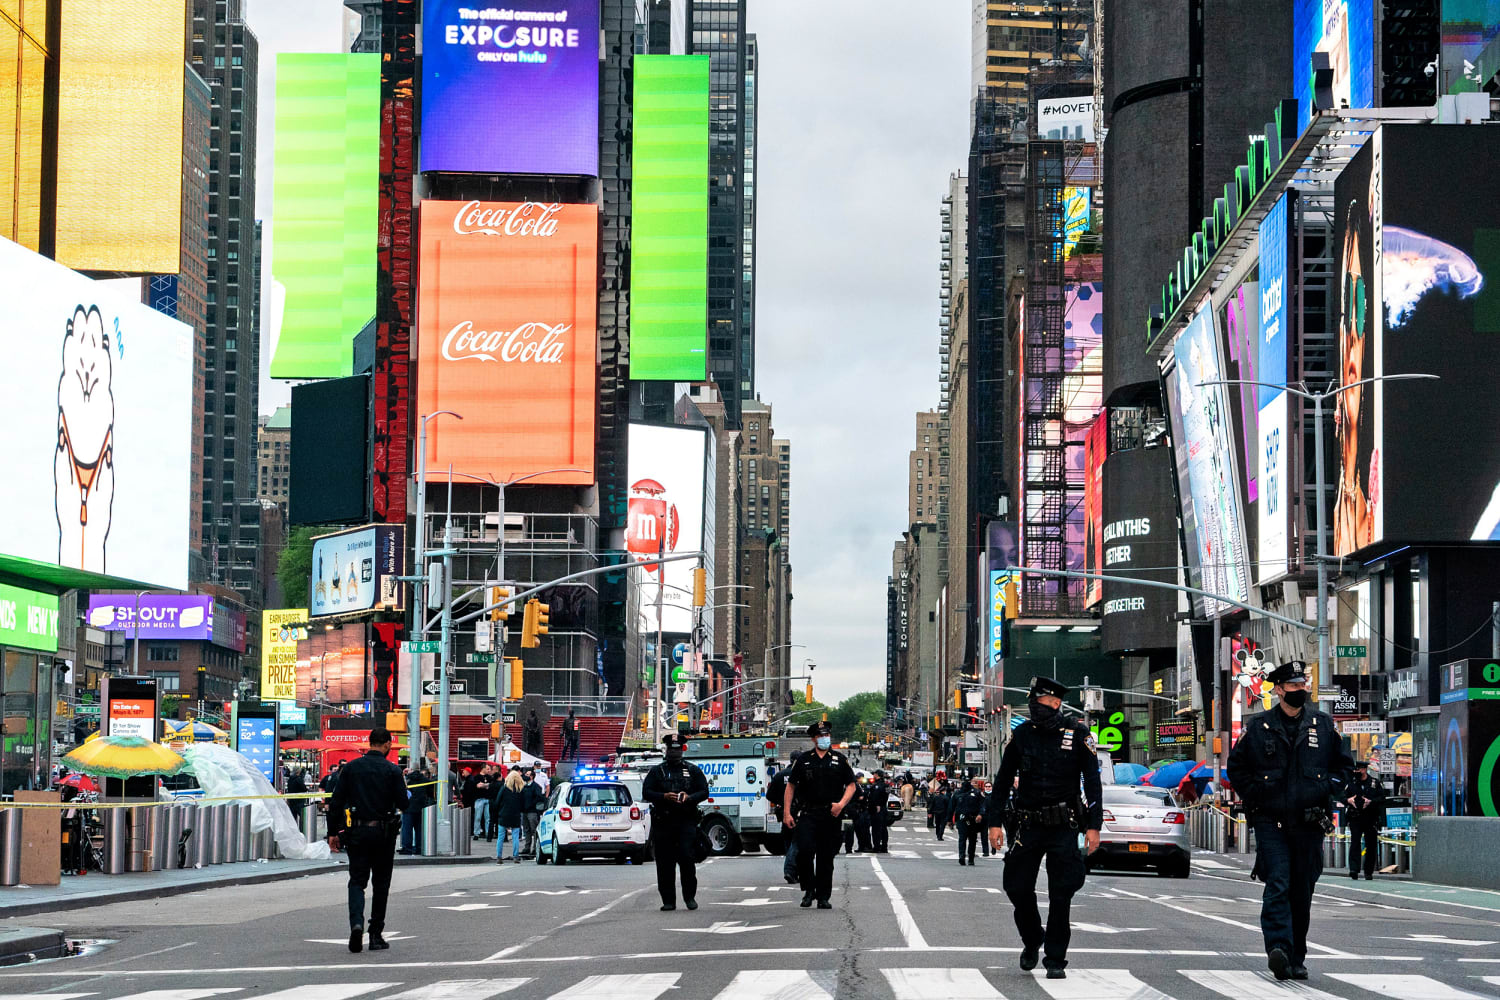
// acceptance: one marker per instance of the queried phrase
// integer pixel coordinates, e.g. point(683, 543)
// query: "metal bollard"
point(139, 859)
point(233, 830)
point(260, 845)
point(243, 850)
point(466, 831)
point(10, 847)
point(175, 815)
point(308, 820)
point(159, 836)
point(429, 831)
point(218, 831)
point(198, 847)
point(116, 837)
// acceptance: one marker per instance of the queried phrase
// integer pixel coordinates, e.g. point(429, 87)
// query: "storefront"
point(28, 642)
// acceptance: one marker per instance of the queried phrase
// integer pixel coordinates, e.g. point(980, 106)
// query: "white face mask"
point(824, 742)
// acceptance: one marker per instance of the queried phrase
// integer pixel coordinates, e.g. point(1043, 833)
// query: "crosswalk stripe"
point(1253, 985)
point(161, 994)
point(44, 996)
point(641, 986)
point(774, 984)
point(327, 991)
point(1407, 987)
point(461, 989)
point(1101, 984)
point(955, 984)
point(1210, 863)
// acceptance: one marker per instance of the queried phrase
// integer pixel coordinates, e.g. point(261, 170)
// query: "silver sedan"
point(1143, 828)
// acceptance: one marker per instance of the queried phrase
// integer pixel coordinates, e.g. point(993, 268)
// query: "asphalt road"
point(908, 924)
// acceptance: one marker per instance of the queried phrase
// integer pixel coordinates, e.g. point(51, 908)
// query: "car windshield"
point(599, 795)
point(1138, 796)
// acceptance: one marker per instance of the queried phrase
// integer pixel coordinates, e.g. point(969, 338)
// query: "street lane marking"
point(1100, 984)
point(1223, 920)
point(909, 930)
point(327, 991)
point(1253, 985)
point(1325, 887)
point(1209, 863)
point(723, 927)
point(44, 996)
point(774, 984)
point(953, 984)
point(461, 989)
point(1407, 987)
point(180, 994)
point(641, 986)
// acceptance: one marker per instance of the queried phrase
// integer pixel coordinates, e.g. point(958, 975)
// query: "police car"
point(593, 814)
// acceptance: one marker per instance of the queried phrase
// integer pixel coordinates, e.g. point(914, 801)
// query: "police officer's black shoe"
point(692, 904)
point(668, 906)
point(1029, 958)
point(807, 900)
point(1280, 963)
point(377, 943)
point(1299, 972)
point(1354, 876)
point(824, 904)
point(357, 938)
point(1056, 972)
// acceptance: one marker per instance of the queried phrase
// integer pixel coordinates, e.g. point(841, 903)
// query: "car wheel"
point(722, 839)
point(776, 844)
point(1182, 868)
point(541, 855)
point(558, 857)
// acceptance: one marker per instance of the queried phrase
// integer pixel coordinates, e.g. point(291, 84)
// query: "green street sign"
point(28, 619)
point(1350, 652)
point(479, 658)
point(423, 645)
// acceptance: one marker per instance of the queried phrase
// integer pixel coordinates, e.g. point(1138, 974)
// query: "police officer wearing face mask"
point(1288, 765)
point(674, 788)
point(818, 789)
point(1058, 795)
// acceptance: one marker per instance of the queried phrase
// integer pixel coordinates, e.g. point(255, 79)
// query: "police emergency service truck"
point(737, 816)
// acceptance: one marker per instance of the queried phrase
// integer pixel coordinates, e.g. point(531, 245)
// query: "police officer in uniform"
point(1287, 767)
point(818, 789)
point(674, 788)
point(1364, 809)
point(880, 821)
point(364, 817)
point(1052, 760)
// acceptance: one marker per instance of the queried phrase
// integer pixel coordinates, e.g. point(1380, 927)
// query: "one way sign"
point(454, 687)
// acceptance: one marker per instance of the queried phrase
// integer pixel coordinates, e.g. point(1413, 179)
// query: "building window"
point(167, 681)
point(162, 654)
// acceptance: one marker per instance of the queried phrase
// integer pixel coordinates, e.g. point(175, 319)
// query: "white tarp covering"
point(227, 774)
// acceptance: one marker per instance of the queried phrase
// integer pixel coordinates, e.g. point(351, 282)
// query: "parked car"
point(1144, 827)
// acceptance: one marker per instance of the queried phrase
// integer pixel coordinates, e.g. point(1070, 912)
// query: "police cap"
point(1290, 672)
point(674, 740)
point(819, 729)
point(1362, 765)
point(1048, 686)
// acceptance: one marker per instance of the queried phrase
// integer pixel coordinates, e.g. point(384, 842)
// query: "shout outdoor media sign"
point(506, 320)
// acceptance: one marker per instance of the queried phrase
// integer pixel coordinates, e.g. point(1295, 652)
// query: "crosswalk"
point(988, 983)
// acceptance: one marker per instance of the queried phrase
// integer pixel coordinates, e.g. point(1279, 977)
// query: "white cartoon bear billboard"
point(98, 388)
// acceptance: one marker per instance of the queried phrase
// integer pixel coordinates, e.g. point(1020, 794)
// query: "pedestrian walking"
point(1288, 766)
point(984, 840)
point(880, 819)
point(1364, 813)
point(480, 800)
point(419, 785)
point(674, 788)
point(508, 815)
point(533, 800)
point(1046, 760)
point(908, 791)
point(941, 806)
point(362, 820)
point(968, 819)
point(818, 790)
point(570, 737)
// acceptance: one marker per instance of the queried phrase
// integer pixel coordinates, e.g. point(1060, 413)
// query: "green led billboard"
point(323, 211)
point(669, 220)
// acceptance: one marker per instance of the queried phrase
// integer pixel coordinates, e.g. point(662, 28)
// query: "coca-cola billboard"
point(512, 89)
point(506, 328)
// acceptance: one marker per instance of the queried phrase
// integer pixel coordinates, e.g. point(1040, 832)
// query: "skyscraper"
point(225, 53)
point(1012, 36)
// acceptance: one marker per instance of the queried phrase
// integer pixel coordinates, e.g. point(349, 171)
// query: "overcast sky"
point(863, 115)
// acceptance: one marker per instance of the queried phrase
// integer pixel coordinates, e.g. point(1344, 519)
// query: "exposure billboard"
point(507, 323)
point(1470, 53)
point(326, 184)
point(1203, 441)
point(358, 570)
point(119, 135)
point(667, 473)
point(107, 383)
point(1273, 502)
point(1420, 294)
point(278, 652)
point(511, 89)
point(669, 219)
point(162, 616)
point(1345, 29)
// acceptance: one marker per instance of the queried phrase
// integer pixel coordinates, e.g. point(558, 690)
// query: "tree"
point(804, 713)
point(294, 567)
point(855, 712)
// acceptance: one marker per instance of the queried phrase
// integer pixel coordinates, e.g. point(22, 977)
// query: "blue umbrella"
point(1170, 775)
point(1126, 774)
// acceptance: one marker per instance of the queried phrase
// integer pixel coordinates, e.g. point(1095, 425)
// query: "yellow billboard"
point(119, 135)
point(278, 652)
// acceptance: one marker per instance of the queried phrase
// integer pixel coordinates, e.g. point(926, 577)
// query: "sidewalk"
point(95, 889)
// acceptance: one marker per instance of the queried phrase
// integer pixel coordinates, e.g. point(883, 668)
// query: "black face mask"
point(674, 755)
point(1043, 715)
point(1294, 699)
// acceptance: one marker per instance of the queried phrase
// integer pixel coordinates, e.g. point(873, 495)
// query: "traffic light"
point(958, 698)
point(534, 625)
point(700, 587)
point(1012, 600)
point(807, 695)
point(425, 720)
point(395, 722)
point(499, 612)
point(517, 690)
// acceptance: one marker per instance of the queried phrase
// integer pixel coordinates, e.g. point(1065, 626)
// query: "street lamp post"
point(414, 716)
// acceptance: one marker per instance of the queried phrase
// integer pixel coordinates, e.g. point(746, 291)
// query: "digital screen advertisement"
point(1356, 510)
point(1095, 449)
point(1273, 502)
point(108, 382)
point(1065, 118)
point(1083, 366)
point(129, 706)
point(511, 89)
point(326, 182)
point(278, 652)
point(667, 473)
point(669, 219)
point(1204, 443)
point(28, 618)
point(162, 616)
point(1345, 29)
point(255, 737)
point(333, 666)
point(995, 616)
point(507, 329)
point(1470, 54)
point(358, 570)
point(1139, 539)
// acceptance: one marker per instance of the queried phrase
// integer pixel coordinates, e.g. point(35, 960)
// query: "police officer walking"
point(674, 788)
point(879, 794)
point(968, 818)
point(1288, 765)
point(1052, 760)
point(1364, 809)
point(818, 789)
point(364, 816)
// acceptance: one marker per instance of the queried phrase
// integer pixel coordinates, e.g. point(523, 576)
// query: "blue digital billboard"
point(1273, 500)
point(1345, 29)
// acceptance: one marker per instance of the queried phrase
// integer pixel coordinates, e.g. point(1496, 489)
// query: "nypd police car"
point(594, 814)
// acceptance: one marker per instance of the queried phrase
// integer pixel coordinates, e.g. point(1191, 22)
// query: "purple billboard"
point(511, 90)
point(162, 616)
